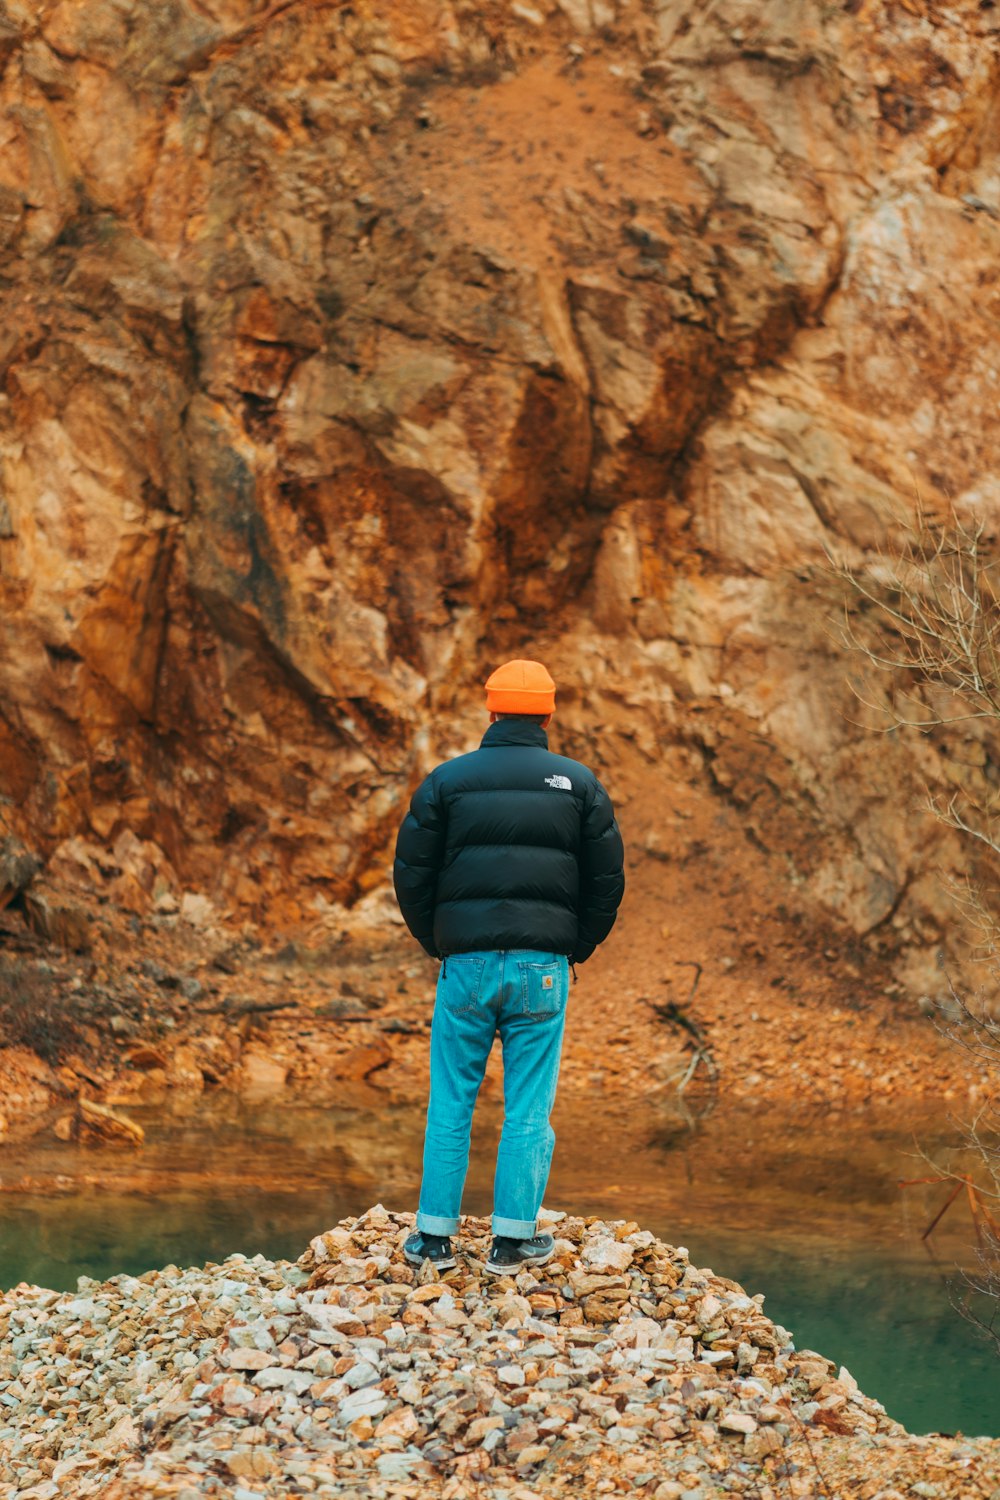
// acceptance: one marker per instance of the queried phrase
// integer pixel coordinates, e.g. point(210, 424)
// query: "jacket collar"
point(514, 732)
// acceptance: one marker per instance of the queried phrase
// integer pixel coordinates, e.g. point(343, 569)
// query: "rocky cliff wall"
point(348, 349)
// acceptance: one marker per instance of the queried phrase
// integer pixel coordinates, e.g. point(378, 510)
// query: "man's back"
point(510, 846)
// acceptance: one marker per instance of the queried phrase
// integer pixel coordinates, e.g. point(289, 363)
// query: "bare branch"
point(925, 619)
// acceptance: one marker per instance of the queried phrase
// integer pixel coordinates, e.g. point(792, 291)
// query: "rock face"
point(348, 350)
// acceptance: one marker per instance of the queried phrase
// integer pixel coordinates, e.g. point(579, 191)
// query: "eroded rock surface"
point(349, 350)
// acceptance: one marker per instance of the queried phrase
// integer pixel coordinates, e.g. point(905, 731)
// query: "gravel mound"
point(618, 1367)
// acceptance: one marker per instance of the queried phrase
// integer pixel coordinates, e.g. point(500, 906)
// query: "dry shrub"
point(924, 617)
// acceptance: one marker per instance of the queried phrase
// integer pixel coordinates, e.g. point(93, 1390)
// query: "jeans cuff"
point(514, 1229)
point(434, 1224)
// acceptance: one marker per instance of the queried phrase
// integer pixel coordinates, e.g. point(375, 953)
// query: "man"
point(509, 868)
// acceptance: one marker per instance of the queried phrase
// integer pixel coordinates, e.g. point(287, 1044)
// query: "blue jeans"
point(520, 993)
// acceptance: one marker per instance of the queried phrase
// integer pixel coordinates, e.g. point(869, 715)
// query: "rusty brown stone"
point(57, 921)
point(97, 1122)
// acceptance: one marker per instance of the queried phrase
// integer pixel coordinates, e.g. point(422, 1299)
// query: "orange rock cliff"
point(348, 349)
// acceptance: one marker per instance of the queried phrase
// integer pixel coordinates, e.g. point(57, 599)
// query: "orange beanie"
point(520, 687)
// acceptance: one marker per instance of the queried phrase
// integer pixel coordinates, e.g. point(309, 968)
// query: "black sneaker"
point(512, 1255)
point(433, 1247)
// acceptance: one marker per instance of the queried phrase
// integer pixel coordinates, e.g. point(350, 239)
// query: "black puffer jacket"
point(510, 846)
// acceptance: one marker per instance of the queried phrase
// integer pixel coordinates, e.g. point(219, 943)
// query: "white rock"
point(80, 1307)
point(707, 1310)
point(396, 1465)
point(606, 1254)
point(197, 909)
point(746, 1355)
point(360, 1375)
point(367, 1403)
point(273, 1378)
point(251, 1336)
point(738, 1421)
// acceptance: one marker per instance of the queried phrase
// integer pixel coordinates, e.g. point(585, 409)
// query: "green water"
point(804, 1209)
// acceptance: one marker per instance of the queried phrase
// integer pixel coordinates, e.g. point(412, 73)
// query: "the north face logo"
point(562, 782)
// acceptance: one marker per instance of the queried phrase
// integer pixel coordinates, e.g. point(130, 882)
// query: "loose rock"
point(344, 1374)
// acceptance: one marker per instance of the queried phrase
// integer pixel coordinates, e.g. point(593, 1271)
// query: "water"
point(803, 1208)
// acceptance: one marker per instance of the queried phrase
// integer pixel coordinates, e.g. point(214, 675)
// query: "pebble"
point(737, 1421)
point(350, 1373)
point(252, 1359)
point(606, 1254)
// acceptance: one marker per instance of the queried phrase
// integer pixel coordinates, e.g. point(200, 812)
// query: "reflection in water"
point(807, 1212)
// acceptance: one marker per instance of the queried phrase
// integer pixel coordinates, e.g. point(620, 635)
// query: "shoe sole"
point(439, 1265)
point(534, 1260)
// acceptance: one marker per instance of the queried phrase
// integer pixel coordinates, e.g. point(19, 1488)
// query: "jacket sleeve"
point(602, 875)
point(419, 856)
